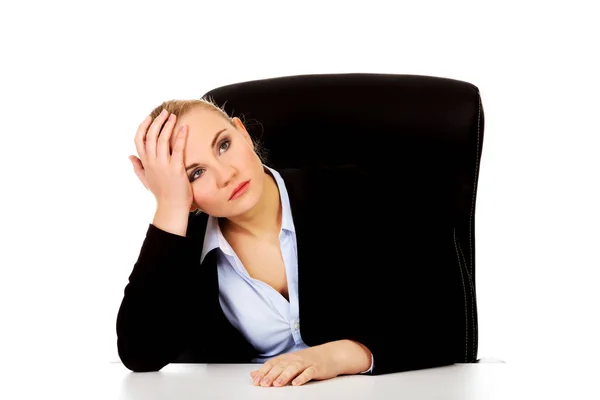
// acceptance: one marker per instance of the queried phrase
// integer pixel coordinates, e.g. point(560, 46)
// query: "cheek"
point(204, 197)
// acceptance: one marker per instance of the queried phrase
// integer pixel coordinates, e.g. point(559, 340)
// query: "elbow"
point(138, 360)
point(135, 365)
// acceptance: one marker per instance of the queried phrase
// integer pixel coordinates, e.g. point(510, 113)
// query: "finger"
point(162, 151)
point(179, 146)
point(152, 134)
point(263, 370)
point(290, 372)
point(138, 168)
point(307, 375)
point(139, 138)
point(273, 373)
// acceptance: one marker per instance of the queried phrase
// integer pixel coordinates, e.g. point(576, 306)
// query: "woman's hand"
point(160, 171)
point(321, 362)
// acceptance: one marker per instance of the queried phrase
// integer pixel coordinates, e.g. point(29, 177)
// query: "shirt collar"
point(213, 237)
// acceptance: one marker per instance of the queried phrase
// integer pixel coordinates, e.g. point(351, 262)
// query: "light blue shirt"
point(264, 317)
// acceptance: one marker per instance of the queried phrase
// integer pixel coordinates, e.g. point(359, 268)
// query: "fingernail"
point(265, 381)
point(256, 380)
point(278, 382)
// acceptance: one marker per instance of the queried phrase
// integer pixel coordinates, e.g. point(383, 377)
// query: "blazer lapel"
point(220, 341)
point(297, 182)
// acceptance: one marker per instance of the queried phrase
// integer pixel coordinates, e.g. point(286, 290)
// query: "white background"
point(78, 77)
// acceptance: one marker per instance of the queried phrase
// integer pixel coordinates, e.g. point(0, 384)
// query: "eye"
point(224, 146)
point(196, 174)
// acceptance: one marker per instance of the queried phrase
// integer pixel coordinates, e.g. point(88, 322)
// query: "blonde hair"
point(180, 107)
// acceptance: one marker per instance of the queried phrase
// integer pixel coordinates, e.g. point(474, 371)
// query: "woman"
point(238, 254)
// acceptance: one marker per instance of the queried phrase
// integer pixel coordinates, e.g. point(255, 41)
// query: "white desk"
point(482, 381)
point(460, 382)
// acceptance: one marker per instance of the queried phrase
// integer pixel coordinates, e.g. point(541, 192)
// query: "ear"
point(242, 129)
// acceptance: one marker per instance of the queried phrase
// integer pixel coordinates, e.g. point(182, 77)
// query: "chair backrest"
point(420, 129)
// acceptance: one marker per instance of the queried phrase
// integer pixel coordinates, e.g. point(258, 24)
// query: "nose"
point(224, 174)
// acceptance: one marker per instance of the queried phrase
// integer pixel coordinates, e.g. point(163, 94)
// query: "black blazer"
point(368, 271)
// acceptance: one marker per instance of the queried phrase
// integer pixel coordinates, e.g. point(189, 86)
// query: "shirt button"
point(297, 325)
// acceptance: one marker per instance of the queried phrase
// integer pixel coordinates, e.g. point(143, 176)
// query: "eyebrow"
point(212, 144)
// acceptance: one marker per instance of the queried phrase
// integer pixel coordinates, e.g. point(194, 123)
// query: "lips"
point(239, 190)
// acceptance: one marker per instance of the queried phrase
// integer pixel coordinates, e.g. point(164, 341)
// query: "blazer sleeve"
point(416, 318)
point(402, 261)
point(390, 355)
point(152, 322)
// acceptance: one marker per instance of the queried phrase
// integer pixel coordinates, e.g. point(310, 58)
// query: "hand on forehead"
point(202, 125)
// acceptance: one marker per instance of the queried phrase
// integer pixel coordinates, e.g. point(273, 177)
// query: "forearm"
point(151, 317)
point(171, 219)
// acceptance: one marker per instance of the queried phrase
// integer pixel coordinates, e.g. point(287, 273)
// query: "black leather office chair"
point(421, 128)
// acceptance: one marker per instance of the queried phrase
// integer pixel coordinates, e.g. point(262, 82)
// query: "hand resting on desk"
point(321, 362)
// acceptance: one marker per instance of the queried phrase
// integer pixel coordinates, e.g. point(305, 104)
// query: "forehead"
point(202, 126)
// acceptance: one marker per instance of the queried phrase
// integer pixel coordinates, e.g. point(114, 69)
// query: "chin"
point(249, 200)
point(248, 204)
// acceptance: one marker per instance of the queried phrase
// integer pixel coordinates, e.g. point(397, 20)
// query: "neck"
point(264, 219)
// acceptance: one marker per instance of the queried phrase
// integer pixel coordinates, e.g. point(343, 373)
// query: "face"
point(219, 157)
